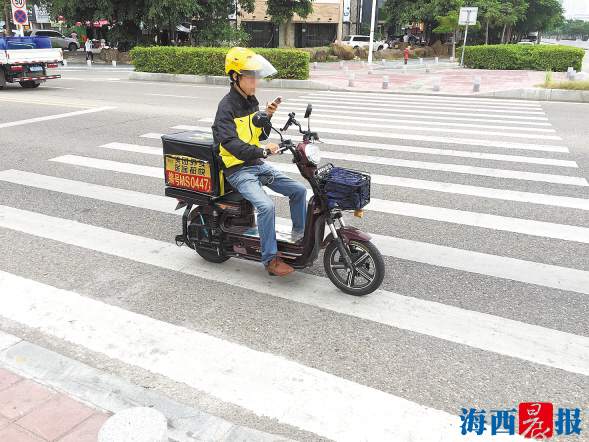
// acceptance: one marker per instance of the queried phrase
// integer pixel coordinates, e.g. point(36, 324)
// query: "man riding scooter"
point(242, 155)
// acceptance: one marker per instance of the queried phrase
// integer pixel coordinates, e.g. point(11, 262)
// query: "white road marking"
point(378, 116)
point(419, 97)
point(442, 167)
point(266, 384)
point(54, 117)
point(418, 137)
point(404, 104)
point(414, 149)
point(433, 114)
point(393, 125)
point(529, 272)
point(441, 214)
point(462, 189)
point(479, 330)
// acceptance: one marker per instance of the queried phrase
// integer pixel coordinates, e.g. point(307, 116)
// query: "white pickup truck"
point(25, 60)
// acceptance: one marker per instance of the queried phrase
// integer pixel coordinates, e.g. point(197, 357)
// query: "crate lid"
point(190, 137)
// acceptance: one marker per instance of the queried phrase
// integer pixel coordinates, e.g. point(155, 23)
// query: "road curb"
point(224, 81)
point(114, 394)
point(541, 94)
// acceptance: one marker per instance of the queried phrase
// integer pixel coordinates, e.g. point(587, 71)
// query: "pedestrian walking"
point(406, 54)
point(88, 49)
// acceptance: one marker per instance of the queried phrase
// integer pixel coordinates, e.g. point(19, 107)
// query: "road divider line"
point(529, 272)
point(515, 339)
point(452, 188)
point(404, 105)
point(432, 213)
point(421, 97)
point(419, 137)
point(54, 117)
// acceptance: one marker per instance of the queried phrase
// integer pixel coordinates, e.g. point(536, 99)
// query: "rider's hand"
point(271, 108)
point(272, 147)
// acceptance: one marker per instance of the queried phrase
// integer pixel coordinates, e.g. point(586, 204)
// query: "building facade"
point(329, 21)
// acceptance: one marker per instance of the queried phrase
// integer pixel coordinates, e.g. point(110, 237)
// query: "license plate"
point(36, 68)
point(188, 173)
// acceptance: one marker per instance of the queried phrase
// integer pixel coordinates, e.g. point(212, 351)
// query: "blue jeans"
point(249, 181)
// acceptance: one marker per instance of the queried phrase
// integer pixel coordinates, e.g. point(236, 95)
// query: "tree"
point(282, 11)
point(540, 16)
point(213, 28)
point(6, 11)
point(490, 13)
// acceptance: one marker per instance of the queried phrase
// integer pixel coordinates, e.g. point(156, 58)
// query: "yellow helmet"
point(244, 61)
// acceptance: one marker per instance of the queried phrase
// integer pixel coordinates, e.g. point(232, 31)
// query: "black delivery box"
point(191, 163)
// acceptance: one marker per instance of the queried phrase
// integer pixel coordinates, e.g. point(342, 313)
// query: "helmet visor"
point(258, 67)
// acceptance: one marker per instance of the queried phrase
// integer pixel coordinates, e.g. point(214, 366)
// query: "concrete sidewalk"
point(31, 412)
point(421, 78)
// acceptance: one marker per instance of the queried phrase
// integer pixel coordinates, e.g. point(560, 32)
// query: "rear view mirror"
point(308, 111)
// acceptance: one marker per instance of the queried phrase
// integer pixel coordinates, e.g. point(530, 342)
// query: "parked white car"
point(363, 41)
point(58, 40)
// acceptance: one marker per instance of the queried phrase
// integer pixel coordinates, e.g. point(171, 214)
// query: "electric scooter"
point(223, 227)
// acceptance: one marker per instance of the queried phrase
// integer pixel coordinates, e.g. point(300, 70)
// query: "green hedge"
point(290, 63)
point(517, 57)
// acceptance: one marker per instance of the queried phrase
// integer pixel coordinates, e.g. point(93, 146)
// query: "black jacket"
point(238, 140)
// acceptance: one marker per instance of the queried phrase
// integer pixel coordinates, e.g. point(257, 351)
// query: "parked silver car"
point(58, 40)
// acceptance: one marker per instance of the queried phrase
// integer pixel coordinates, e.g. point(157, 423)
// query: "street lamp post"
point(372, 18)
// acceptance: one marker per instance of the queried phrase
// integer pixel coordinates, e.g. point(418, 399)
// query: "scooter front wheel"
point(366, 274)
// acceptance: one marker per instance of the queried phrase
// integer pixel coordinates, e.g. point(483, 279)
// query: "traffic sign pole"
point(465, 35)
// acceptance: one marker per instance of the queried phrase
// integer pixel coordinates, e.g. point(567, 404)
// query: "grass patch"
point(568, 85)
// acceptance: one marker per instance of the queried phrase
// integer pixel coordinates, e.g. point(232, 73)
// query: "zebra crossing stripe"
point(507, 337)
point(399, 106)
point(393, 123)
point(428, 98)
point(463, 217)
point(442, 167)
point(430, 114)
point(504, 194)
point(377, 116)
point(529, 272)
point(415, 137)
point(290, 392)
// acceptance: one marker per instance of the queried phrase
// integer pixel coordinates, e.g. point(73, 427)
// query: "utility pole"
point(372, 18)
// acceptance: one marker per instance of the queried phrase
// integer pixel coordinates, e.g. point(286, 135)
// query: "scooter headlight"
point(313, 153)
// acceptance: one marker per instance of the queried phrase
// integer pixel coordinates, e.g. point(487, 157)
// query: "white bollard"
point(385, 82)
point(64, 62)
point(114, 63)
point(314, 65)
point(437, 60)
point(420, 60)
point(451, 59)
point(137, 424)
point(436, 84)
point(427, 70)
point(476, 84)
point(89, 63)
point(570, 73)
point(351, 79)
point(341, 64)
point(383, 61)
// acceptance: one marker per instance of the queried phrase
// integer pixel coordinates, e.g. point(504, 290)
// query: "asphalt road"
point(480, 206)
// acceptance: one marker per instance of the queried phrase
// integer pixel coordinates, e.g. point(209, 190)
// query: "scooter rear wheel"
point(206, 254)
point(368, 267)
